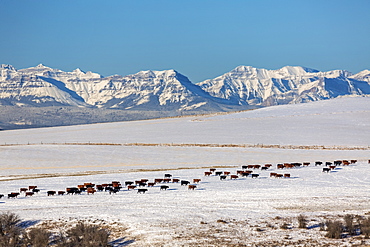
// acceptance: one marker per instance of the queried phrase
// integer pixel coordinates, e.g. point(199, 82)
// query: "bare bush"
point(38, 237)
point(334, 229)
point(10, 231)
point(84, 235)
point(302, 221)
point(348, 220)
point(365, 226)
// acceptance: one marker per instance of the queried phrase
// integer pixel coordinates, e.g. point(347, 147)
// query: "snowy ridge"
point(170, 90)
point(252, 86)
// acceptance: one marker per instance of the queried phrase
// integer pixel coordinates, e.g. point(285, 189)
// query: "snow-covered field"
point(217, 213)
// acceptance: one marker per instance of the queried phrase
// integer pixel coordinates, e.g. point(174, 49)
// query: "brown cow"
point(280, 166)
point(61, 192)
point(226, 173)
point(158, 180)
point(207, 173)
point(131, 187)
point(166, 180)
point(279, 175)
point(268, 165)
point(196, 180)
point(191, 187)
point(273, 174)
point(234, 177)
point(29, 193)
point(306, 163)
point(175, 180)
point(151, 184)
point(23, 189)
point(90, 190)
point(32, 187)
point(286, 175)
point(256, 166)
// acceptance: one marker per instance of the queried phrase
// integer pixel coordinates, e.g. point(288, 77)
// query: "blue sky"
point(201, 39)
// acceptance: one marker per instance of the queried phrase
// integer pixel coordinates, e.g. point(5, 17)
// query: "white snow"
point(135, 150)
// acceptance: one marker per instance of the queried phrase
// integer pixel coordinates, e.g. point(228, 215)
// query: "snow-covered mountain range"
point(170, 90)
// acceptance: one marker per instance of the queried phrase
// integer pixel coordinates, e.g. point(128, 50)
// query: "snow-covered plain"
point(238, 212)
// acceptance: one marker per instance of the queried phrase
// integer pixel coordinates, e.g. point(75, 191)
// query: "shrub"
point(365, 227)
point(302, 221)
point(348, 219)
point(334, 229)
point(38, 237)
point(10, 231)
point(84, 235)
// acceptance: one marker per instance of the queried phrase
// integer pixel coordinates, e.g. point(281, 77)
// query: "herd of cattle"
point(142, 185)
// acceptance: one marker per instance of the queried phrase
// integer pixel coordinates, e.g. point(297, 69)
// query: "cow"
point(137, 182)
point(13, 195)
point(264, 168)
point(256, 166)
point(255, 175)
point(114, 190)
point(273, 174)
point(337, 162)
point(218, 173)
point(61, 192)
point(184, 182)
point(158, 180)
point(140, 185)
point(168, 175)
point(144, 180)
point(90, 190)
point(286, 175)
point(207, 173)
point(234, 177)
point(212, 169)
point(325, 169)
point(32, 187)
point(151, 184)
point(306, 163)
point(175, 180)
point(332, 167)
point(318, 163)
point(99, 187)
point(142, 191)
point(244, 167)
point(192, 187)
point(164, 187)
point(35, 190)
point(196, 180)
point(345, 162)
point(29, 193)
point(73, 190)
point(239, 172)
point(226, 173)
point(23, 189)
point(1, 196)
point(280, 166)
point(128, 183)
point(222, 177)
point(268, 165)
point(278, 175)
point(166, 180)
point(51, 192)
point(131, 187)
point(353, 161)
point(250, 166)
point(245, 174)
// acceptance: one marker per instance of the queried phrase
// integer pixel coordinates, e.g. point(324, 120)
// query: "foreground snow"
point(217, 213)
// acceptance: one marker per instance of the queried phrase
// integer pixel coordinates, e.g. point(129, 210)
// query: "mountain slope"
point(246, 85)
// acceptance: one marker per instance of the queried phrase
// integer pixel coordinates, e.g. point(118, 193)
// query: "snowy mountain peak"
point(7, 67)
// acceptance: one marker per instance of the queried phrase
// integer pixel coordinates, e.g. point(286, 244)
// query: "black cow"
point(318, 163)
point(1, 195)
point(164, 187)
point(184, 182)
point(167, 175)
point(142, 191)
point(128, 183)
point(325, 169)
point(255, 175)
point(218, 173)
point(223, 177)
